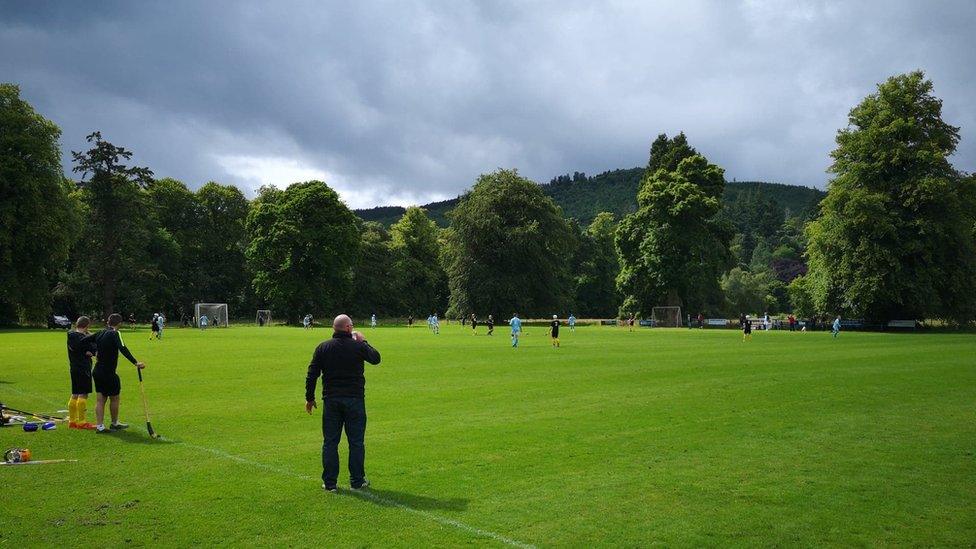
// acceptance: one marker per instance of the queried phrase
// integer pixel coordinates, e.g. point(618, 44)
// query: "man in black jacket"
point(107, 383)
point(339, 361)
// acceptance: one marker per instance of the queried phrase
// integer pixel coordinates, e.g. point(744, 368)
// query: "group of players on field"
point(515, 323)
point(105, 346)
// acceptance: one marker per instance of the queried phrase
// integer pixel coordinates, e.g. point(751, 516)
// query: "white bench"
point(717, 322)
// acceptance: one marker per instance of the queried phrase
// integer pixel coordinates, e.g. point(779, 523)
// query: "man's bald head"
point(342, 323)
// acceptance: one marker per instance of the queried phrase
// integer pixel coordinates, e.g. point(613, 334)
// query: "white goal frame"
point(668, 317)
point(267, 317)
point(218, 314)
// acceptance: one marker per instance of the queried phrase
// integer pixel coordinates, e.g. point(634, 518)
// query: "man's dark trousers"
point(351, 413)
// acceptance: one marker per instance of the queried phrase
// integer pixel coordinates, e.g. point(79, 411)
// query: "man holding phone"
point(340, 363)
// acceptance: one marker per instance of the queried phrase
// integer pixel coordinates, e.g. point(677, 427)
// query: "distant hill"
point(388, 215)
point(615, 191)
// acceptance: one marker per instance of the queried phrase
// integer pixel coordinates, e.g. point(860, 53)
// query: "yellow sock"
point(72, 409)
point(82, 410)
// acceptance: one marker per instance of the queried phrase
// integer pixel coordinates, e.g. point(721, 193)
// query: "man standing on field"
point(81, 347)
point(107, 383)
point(339, 361)
point(554, 331)
point(516, 324)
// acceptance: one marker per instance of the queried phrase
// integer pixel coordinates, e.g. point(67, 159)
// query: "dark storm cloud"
point(405, 102)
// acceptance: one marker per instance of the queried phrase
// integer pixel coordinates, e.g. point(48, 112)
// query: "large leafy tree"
point(894, 238)
point(596, 267)
point(177, 215)
point(115, 255)
point(222, 243)
point(376, 281)
point(508, 249)
point(38, 220)
point(751, 293)
point(303, 247)
point(421, 282)
point(674, 249)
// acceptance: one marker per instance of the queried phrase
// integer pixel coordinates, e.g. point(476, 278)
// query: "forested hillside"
point(582, 197)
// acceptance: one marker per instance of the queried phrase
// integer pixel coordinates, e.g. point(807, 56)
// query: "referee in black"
point(340, 363)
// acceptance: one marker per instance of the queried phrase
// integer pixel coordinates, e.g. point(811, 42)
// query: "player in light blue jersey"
point(516, 325)
point(435, 323)
point(572, 323)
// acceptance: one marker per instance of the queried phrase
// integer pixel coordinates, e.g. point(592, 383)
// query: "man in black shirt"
point(107, 383)
point(81, 347)
point(554, 330)
point(339, 362)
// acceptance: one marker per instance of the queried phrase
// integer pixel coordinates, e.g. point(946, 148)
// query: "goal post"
point(217, 314)
point(263, 317)
point(667, 317)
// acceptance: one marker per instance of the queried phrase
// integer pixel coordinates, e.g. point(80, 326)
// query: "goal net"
point(263, 317)
point(216, 314)
point(667, 317)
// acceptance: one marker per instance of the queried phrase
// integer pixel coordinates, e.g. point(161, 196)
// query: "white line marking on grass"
point(442, 520)
point(364, 494)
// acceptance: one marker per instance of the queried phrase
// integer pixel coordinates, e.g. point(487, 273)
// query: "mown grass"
point(680, 437)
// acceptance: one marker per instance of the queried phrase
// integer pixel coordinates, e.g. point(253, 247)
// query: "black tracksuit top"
point(78, 345)
point(110, 344)
point(339, 361)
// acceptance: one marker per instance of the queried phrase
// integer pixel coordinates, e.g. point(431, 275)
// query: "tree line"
point(895, 236)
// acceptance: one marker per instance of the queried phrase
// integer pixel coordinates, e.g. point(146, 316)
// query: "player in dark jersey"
point(81, 347)
point(474, 324)
point(746, 327)
point(107, 383)
point(554, 331)
point(491, 325)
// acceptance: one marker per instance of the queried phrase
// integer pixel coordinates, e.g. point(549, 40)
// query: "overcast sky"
point(406, 102)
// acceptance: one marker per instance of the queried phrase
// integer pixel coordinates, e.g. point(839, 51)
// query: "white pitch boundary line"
point(367, 495)
point(362, 494)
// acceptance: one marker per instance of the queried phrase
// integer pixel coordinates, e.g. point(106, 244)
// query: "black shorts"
point(107, 383)
point(81, 380)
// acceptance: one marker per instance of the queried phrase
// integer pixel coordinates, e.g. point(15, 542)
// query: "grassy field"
point(678, 437)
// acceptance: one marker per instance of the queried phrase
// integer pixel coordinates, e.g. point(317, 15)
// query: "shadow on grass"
point(393, 498)
point(135, 436)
